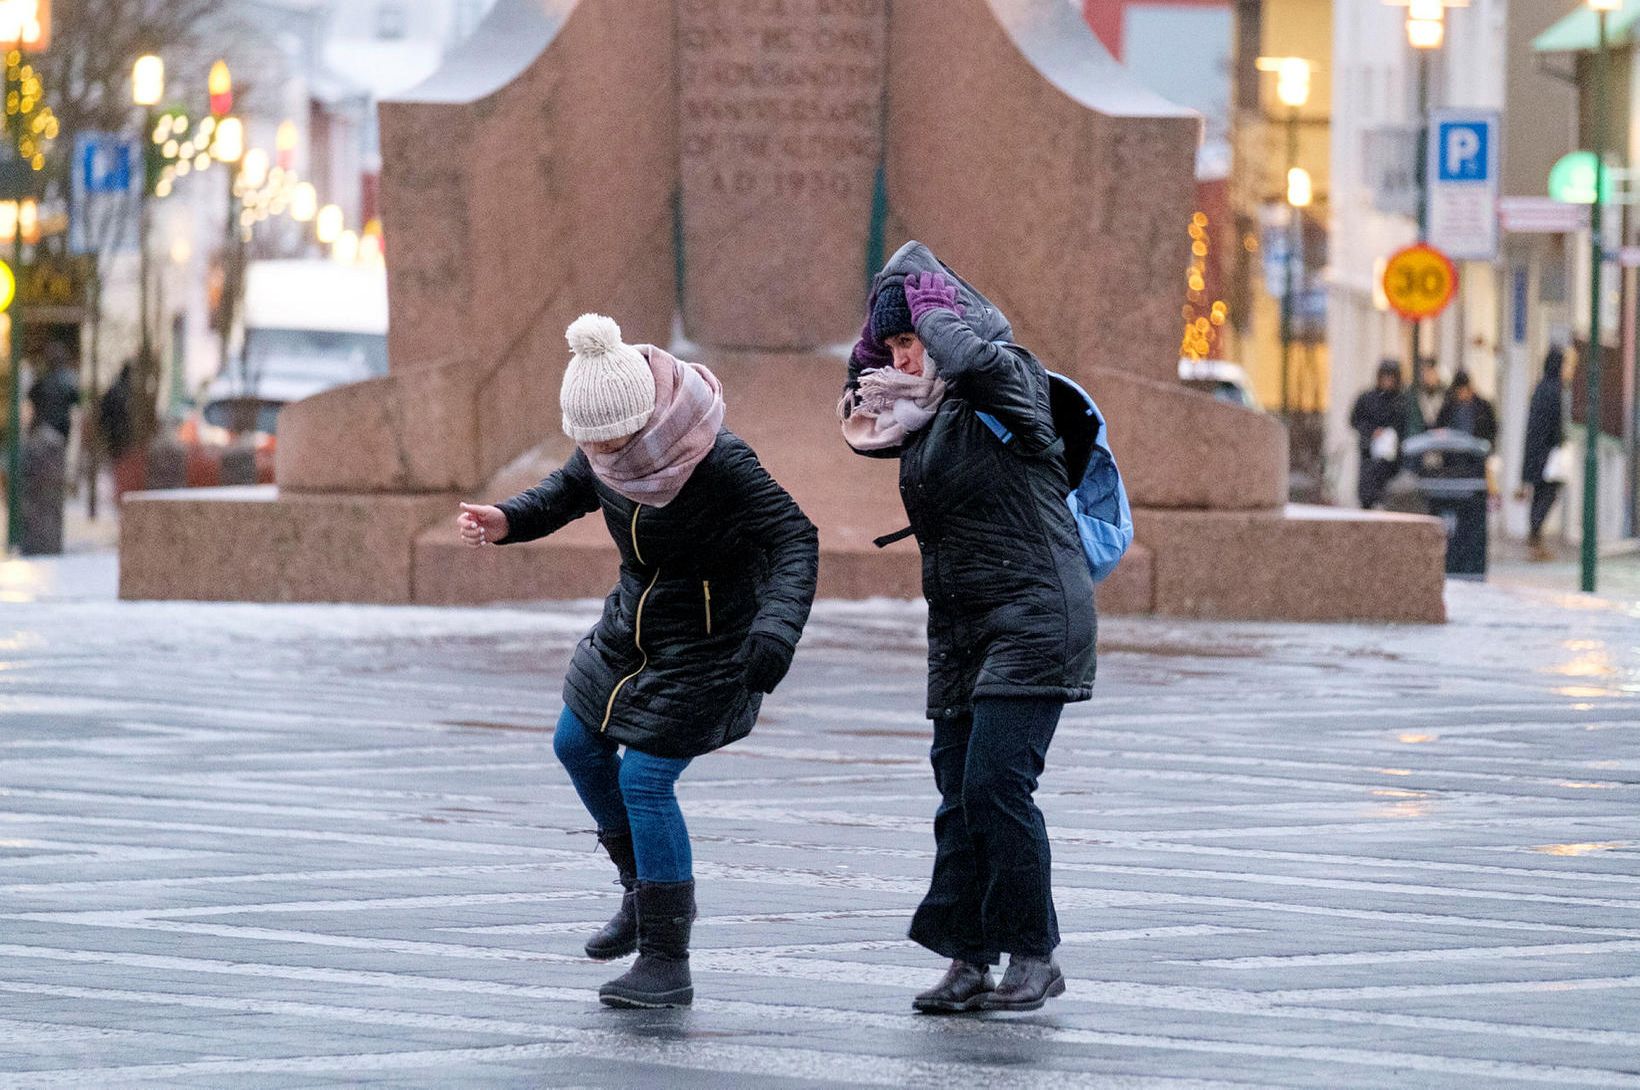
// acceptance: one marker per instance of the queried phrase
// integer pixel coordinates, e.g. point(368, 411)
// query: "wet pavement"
point(310, 846)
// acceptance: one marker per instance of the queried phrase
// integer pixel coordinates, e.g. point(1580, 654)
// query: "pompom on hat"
point(608, 390)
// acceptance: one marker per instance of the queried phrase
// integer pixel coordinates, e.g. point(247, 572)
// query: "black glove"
point(766, 660)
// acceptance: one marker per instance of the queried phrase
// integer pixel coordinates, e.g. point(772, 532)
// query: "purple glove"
point(930, 291)
point(870, 354)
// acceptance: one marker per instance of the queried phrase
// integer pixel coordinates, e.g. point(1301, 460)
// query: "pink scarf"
point(888, 406)
point(653, 468)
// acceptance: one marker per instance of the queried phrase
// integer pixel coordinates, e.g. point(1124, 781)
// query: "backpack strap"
point(888, 539)
point(1000, 430)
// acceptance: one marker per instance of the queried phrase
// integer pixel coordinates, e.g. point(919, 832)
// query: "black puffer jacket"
point(1010, 599)
point(730, 556)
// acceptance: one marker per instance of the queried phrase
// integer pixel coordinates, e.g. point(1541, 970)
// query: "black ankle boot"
point(963, 988)
point(1028, 983)
point(620, 935)
point(660, 976)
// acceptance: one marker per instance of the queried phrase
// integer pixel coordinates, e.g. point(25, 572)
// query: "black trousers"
point(1375, 475)
point(992, 890)
point(1544, 494)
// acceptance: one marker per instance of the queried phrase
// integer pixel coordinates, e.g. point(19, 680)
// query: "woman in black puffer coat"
point(1011, 622)
point(718, 569)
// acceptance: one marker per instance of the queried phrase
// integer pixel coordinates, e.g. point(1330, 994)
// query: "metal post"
point(230, 271)
point(1294, 225)
point(1421, 168)
point(14, 416)
point(145, 259)
point(1591, 366)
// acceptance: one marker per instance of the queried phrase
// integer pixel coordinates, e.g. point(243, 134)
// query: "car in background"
point(309, 326)
point(1221, 379)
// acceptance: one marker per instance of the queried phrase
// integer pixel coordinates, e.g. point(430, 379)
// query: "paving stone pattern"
point(262, 846)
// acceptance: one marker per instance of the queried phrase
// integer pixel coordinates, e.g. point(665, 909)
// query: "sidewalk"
point(271, 846)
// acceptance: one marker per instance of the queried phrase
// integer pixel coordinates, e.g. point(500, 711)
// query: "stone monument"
point(721, 176)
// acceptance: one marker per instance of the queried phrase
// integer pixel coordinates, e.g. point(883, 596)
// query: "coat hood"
point(981, 314)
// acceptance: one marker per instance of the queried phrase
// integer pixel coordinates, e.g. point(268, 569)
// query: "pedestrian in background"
point(1378, 416)
point(1468, 412)
point(1429, 394)
point(1011, 624)
point(56, 393)
point(718, 569)
point(1545, 432)
point(114, 414)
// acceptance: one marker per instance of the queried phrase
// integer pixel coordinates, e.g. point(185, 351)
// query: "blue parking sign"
point(105, 163)
point(1464, 151)
point(1463, 183)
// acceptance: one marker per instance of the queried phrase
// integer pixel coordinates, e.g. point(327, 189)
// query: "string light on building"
point(1202, 321)
point(32, 120)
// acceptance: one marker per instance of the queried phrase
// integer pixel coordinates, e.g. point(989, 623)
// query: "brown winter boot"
point(620, 935)
point(660, 976)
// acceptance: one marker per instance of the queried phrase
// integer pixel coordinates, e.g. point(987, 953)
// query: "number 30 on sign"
point(1420, 281)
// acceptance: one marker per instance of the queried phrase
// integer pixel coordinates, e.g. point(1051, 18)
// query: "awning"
point(1580, 30)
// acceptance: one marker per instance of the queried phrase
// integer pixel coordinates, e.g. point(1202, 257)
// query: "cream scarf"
point(889, 405)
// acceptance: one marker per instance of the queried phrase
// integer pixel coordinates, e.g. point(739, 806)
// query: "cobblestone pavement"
point(312, 846)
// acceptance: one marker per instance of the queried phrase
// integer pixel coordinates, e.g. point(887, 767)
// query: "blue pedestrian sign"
point(1463, 183)
point(106, 163)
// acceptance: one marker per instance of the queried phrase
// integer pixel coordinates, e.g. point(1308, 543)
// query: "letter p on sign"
point(1463, 152)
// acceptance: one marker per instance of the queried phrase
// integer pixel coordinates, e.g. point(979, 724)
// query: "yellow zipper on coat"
point(637, 627)
point(706, 585)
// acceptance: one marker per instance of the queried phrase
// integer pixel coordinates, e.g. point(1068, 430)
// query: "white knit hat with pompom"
point(609, 390)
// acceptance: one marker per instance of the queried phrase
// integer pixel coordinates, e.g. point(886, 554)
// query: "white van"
point(309, 326)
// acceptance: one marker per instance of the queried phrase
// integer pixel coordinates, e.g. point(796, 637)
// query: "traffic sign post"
point(1419, 282)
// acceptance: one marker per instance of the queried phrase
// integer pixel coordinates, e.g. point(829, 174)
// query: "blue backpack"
point(1098, 500)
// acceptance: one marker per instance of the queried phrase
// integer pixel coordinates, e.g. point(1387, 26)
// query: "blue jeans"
point(631, 793)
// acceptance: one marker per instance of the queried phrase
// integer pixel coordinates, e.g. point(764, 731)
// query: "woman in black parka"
point(1545, 430)
point(1011, 623)
point(718, 569)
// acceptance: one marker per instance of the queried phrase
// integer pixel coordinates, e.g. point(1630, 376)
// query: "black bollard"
point(167, 466)
point(45, 466)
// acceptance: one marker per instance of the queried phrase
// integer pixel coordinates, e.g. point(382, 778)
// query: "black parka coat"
point(1545, 429)
point(730, 556)
point(1010, 598)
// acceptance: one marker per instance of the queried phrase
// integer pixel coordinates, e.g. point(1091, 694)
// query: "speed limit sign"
point(1420, 281)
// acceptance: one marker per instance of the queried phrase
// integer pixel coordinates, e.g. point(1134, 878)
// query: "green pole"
point(14, 414)
point(1591, 366)
point(1294, 237)
point(1421, 169)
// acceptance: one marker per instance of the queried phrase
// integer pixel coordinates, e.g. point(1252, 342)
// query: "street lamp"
point(220, 86)
point(147, 90)
point(25, 27)
point(228, 147)
point(1293, 91)
point(1592, 366)
point(284, 144)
